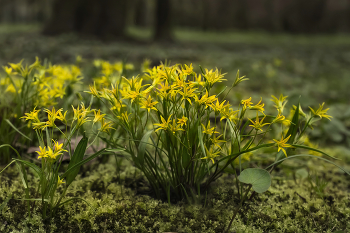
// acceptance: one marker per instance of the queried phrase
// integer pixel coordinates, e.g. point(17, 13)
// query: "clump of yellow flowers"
point(175, 125)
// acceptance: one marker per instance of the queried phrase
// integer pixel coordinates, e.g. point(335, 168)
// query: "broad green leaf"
point(14, 127)
point(260, 179)
point(142, 147)
point(301, 173)
point(77, 157)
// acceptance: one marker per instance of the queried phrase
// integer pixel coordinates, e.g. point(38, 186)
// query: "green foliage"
point(259, 179)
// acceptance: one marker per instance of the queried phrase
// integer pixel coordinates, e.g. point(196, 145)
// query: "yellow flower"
point(282, 143)
point(80, 115)
point(209, 130)
point(213, 76)
point(259, 106)
point(321, 113)
point(246, 103)
point(210, 154)
point(33, 115)
point(98, 116)
point(174, 127)
point(205, 99)
point(164, 89)
point(148, 104)
point(60, 181)
point(62, 117)
point(52, 115)
point(39, 125)
point(164, 125)
point(42, 152)
point(182, 121)
point(280, 119)
point(258, 124)
point(228, 113)
point(215, 140)
point(218, 107)
point(17, 67)
point(58, 147)
point(187, 93)
point(124, 117)
point(280, 102)
point(187, 70)
point(93, 91)
point(53, 154)
point(106, 126)
point(8, 70)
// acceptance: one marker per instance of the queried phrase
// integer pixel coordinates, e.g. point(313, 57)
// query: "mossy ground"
point(117, 205)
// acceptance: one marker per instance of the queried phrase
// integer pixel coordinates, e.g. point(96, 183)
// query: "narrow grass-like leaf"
point(32, 199)
point(77, 157)
point(260, 179)
point(100, 152)
point(15, 128)
point(142, 147)
point(200, 137)
point(37, 169)
point(313, 149)
point(21, 175)
point(8, 145)
point(306, 155)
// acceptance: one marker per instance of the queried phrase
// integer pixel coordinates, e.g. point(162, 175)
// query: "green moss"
point(288, 206)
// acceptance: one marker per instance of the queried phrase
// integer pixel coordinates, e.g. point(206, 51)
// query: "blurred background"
point(295, 47)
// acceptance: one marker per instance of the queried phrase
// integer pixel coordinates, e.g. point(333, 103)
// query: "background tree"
point(102, 18)
point(163, 22)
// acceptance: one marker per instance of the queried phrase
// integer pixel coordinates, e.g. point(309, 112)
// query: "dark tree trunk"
point(163, 24)
point(102, 18)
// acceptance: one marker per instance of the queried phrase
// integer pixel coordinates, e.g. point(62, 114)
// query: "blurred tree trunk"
point(102, 18)
point(163, 23)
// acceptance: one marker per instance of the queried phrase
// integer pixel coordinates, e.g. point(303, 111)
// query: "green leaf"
point(313, 149)
point(260, 179)
point(37, 169)
point(71, 169)
point(301, 173)
point(142, 147)
point(32, 199)
point(77, 157)
point(305, 155)
point(293, 129)
point(4, 145)
point(200, 137)
point(14, 127)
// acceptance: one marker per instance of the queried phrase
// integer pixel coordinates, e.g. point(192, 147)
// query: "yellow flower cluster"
point(51, 153)
point(42, 85)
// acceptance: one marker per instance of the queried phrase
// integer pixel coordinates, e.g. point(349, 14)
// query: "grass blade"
point(18, 131)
